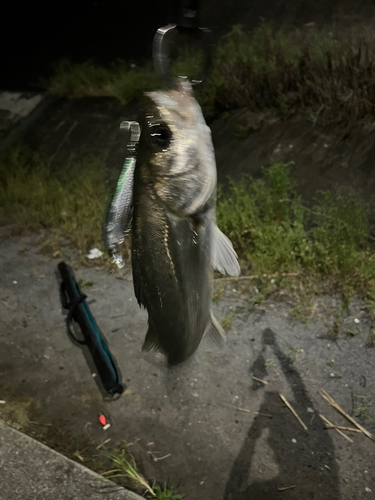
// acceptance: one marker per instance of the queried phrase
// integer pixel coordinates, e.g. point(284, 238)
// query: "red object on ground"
point(102, 420)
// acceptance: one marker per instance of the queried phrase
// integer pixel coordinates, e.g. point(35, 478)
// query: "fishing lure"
point(119, 214)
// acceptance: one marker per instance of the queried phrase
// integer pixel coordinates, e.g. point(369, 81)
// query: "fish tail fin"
point(224, 257)
point(214, 336)
point(151, 342)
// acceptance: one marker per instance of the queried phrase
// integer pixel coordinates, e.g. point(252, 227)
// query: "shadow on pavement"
point(304, 461)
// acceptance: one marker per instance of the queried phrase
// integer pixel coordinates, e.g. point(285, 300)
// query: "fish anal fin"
point(214, 336)
point(224, 258)
point(151, 342)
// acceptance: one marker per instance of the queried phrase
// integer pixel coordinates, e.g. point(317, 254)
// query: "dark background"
point(36, 34)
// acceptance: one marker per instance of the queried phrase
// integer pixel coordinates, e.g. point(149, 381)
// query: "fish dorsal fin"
point(224, 258)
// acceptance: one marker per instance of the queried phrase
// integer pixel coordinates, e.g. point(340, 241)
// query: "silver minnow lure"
point(119, 213)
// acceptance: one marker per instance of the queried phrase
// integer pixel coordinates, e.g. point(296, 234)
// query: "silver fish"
point(176, 243)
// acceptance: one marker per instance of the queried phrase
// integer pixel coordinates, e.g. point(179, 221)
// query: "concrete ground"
point(31, 470)
point(205, 425)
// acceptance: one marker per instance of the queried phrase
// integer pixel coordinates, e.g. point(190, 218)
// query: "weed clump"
point(273, 232)
point(72, 202)
point(325, 75)
point(126, 472)
point(88, 79)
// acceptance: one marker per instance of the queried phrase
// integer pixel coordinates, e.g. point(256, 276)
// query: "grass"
point(371, 338)
point(294, 353)
point(227, 320)
point(327, 75)
point(120, 79)
point(84, 283)
point(320, 72)
point(87, 79)
point(302, 309)
point(126, 468)
point(71, 202)
point(167, 493)
point(126, 473)
point(272, 231)
point(362, 405)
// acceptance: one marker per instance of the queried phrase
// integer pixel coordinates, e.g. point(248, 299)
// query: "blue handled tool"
point(75, 302)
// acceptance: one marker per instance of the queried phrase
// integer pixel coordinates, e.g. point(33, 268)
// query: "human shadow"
point(305, 461)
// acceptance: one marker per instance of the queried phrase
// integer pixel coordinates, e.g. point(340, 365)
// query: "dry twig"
point(288, 405)
point(103, 443)
point(78, 455)
point(248, 411)
point(342, 428)
point(260, 380)
point(286, 488)
point(253, 276)
point(333, 403)
point(332, 426)
point(157, 459)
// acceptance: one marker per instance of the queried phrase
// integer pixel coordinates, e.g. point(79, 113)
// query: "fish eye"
point(160, 135)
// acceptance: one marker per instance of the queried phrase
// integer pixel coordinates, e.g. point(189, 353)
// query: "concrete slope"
point(30, 470)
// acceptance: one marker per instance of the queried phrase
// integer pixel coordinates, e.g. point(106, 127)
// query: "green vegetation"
point(312, 70)
point(120, 79)
point(127, 474)
point(84, 283)
point(326, 75)
point(302, 310)
point(126, 468)
point(362, 406)
point(371, 338)
point(227, 319)
point(71, 202)
point(166, 493)
point(88, 79)
point(272, 231)
point(294, 353)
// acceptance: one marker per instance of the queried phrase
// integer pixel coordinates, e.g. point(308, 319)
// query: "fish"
point(175, 241)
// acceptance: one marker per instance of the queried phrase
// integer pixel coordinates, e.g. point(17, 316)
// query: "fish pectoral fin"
point(151, 342)
point(224, 257)
point(214, 336)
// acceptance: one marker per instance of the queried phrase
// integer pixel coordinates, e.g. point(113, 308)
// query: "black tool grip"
point(73, 300)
